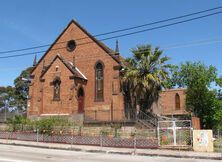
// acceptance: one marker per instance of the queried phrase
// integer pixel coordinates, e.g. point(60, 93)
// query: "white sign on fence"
point(203, 140)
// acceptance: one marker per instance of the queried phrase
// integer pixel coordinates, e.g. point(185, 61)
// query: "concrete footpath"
point(111, 150)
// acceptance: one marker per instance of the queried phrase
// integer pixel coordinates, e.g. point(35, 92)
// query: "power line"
point(191, 44)
point(122, 35)
point(117, 31)
point(188, 44)
point(161, 21)
point(162, 26)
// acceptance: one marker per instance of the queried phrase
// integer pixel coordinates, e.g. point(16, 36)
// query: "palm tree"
point(144, 76)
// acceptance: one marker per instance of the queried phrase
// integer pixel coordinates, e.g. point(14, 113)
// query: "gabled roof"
point(99, 43)
point(74, 70)
point(102, 45)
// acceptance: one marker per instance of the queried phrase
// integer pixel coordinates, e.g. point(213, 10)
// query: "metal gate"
point(176, 133)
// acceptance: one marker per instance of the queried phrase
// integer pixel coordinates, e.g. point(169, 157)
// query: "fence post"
point(191, 135)
point(37, 135)
point(158, 133)
point(134, 143)
point(101, 140)
point(72, 137)
point(174, 134)
point(8, 134)
point(221, 148)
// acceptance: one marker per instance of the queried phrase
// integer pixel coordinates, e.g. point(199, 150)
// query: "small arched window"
point(56, 89)
point(177, 101)
point(99, 86)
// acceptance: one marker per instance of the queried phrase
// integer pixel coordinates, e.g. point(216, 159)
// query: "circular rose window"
point(71, 45)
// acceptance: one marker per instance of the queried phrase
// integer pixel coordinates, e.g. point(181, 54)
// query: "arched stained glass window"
point(56, 89)
point(99, 84)
point(177, 101)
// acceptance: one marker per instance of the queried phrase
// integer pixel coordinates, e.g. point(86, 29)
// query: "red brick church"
point(79, 77)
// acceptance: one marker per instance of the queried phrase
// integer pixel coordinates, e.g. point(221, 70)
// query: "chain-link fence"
point(175, 133)
point(98, 136)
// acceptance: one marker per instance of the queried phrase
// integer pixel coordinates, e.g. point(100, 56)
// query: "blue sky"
point(26, 23)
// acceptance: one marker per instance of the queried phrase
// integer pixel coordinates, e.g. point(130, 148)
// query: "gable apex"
point(40, 60)
point(100, 44)
point(74, 70)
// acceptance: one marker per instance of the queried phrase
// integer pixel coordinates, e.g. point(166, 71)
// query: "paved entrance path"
point(83, 148)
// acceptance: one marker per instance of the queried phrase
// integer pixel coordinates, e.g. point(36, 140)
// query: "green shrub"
point(104, 132)
point(218, 145)
point(18, 123)
point(52, 124)
point(45, 125)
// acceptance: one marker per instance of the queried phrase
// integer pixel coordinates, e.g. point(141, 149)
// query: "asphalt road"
point(9, 153)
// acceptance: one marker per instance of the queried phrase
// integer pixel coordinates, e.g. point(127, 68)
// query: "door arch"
point(80, 100)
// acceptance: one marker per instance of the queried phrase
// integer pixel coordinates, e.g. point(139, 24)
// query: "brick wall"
point(167, 102)
point(84, 57)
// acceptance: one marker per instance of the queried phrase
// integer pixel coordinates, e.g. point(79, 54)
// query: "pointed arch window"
point(56, 89)
point(177, 101)
point(99, 81)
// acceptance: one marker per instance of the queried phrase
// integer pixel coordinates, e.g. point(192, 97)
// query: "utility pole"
point(3, 96)
point(5, 114)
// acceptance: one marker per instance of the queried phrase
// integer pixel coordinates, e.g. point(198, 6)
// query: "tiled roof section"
point(102, 45)
point(76, 72)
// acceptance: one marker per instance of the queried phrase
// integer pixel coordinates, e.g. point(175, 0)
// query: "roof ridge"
point(99, 43)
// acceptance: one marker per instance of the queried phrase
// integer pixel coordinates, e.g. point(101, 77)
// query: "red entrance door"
point(80, 104)
point(80, 100)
